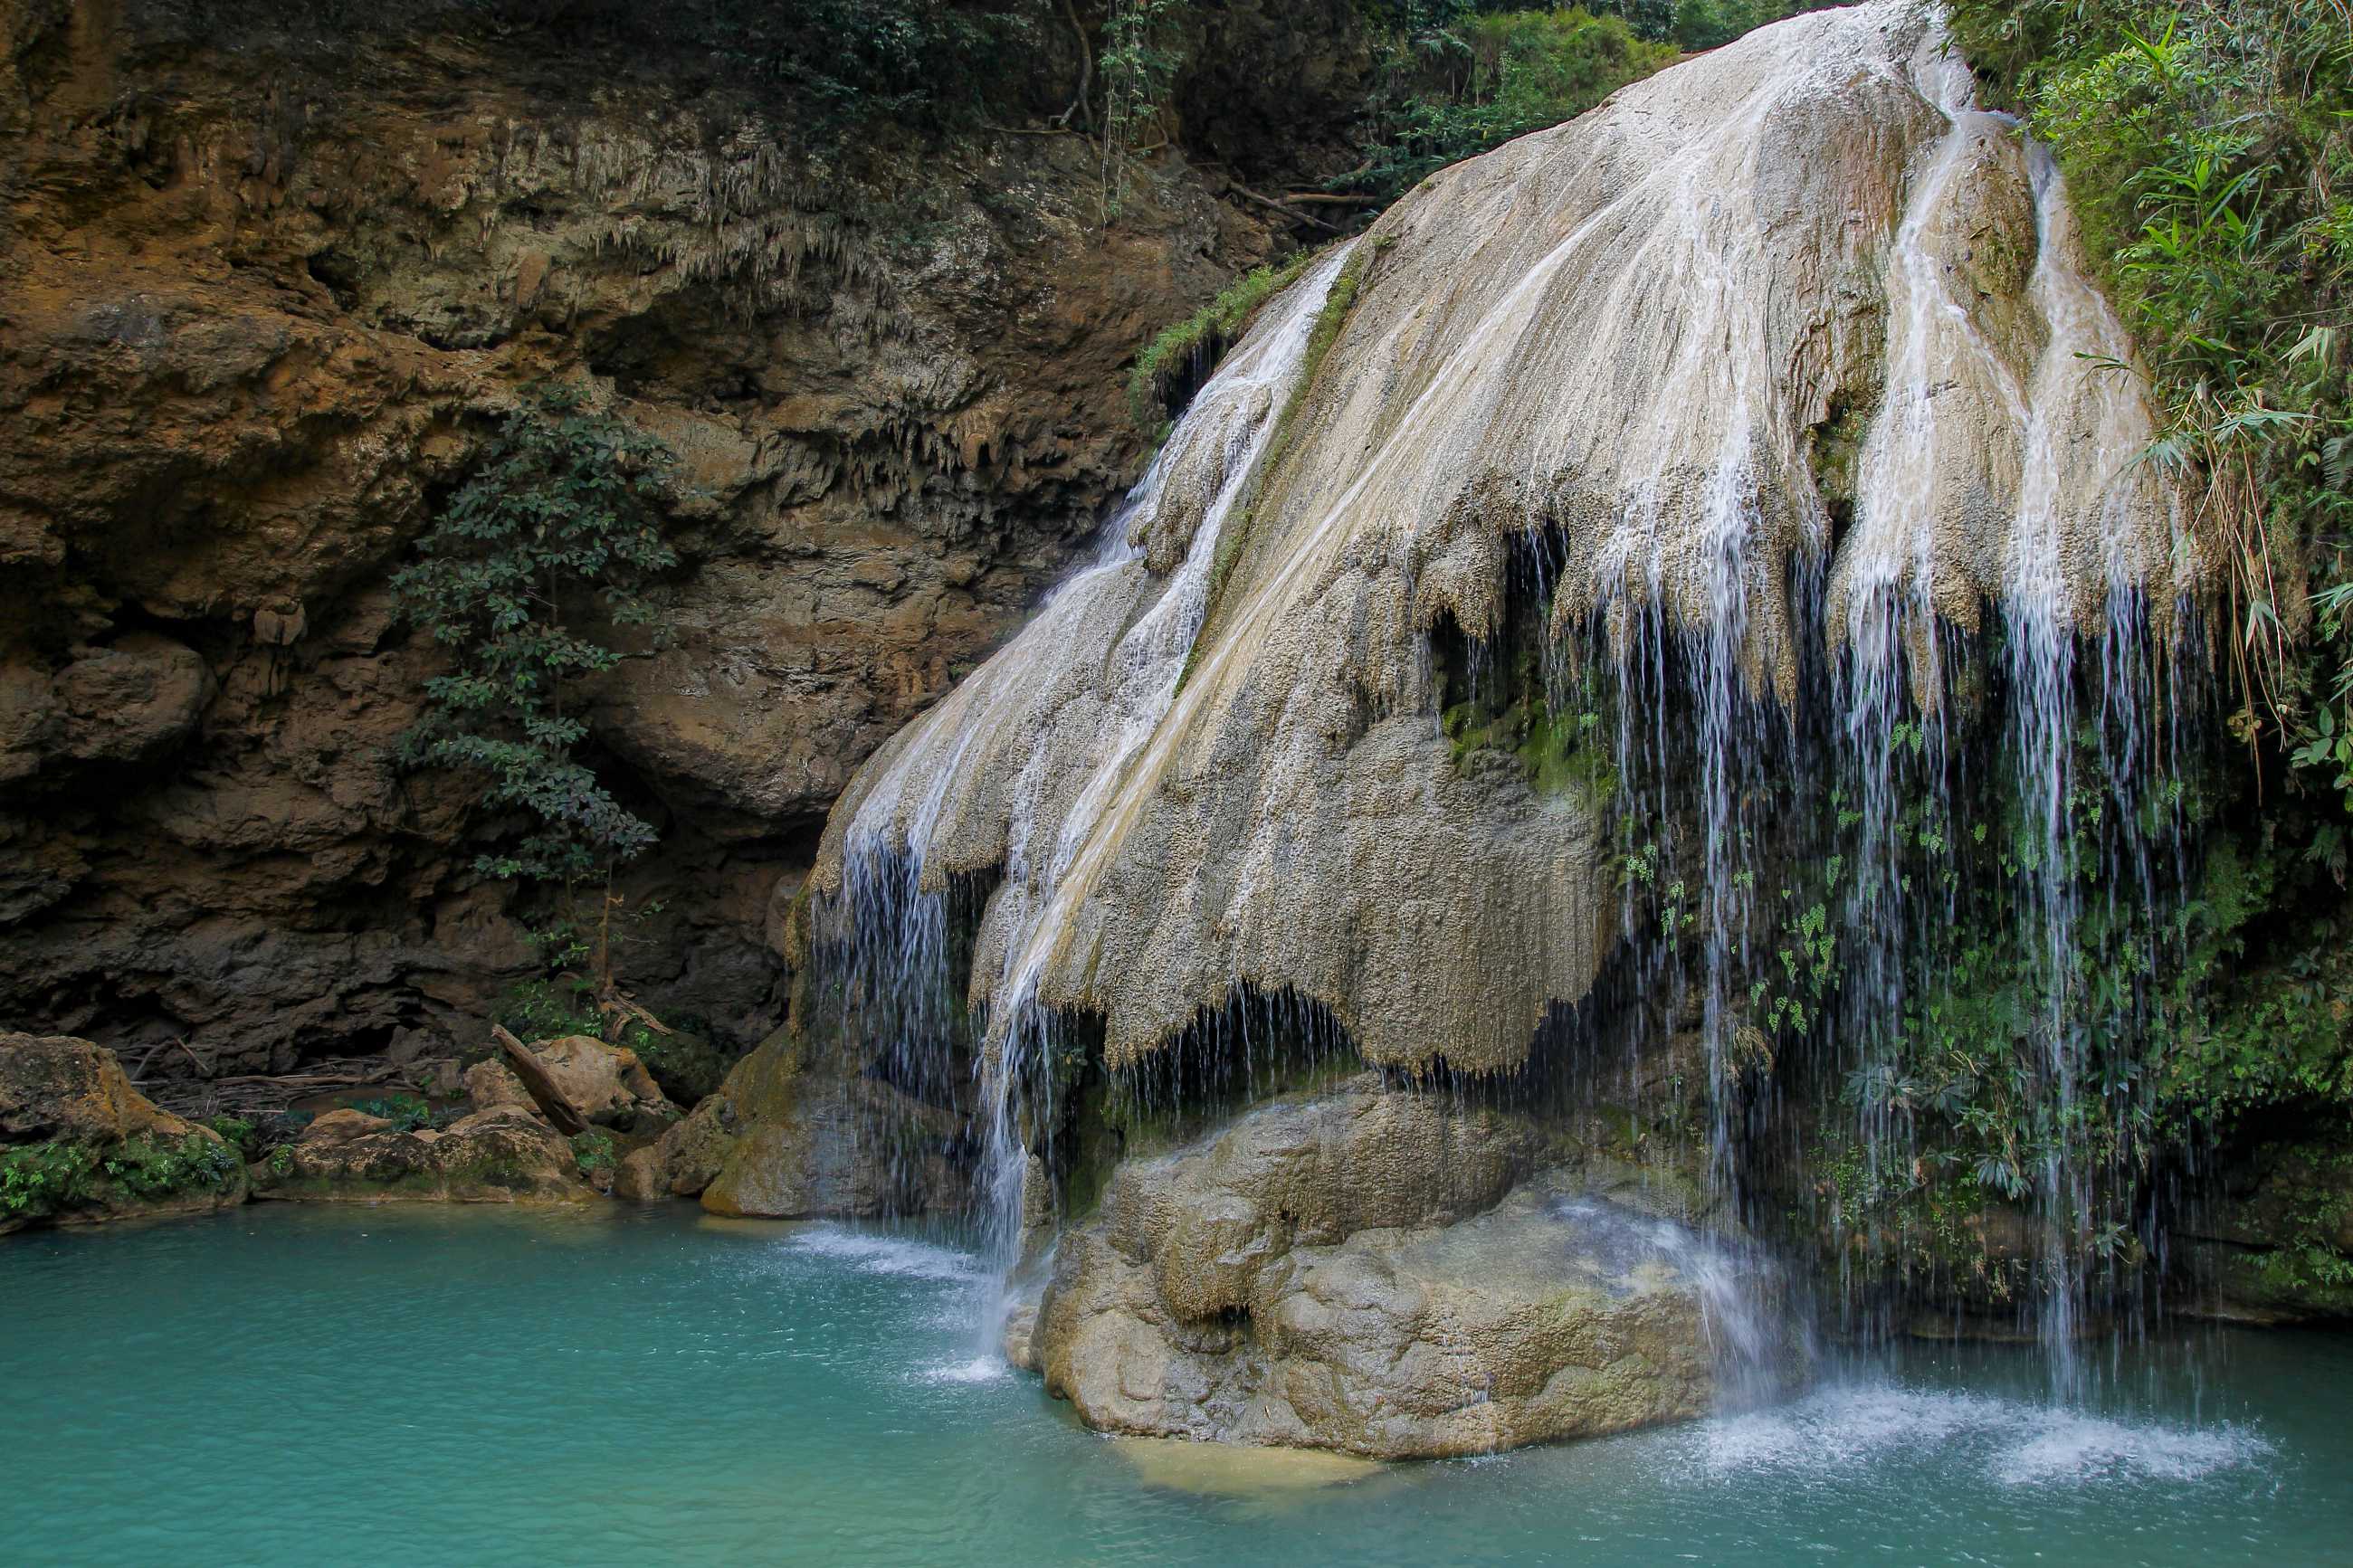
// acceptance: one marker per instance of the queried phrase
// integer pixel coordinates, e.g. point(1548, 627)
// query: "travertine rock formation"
point(499, 1155)
point(1645, 338)
point(1379, 1272)
point(79, 1146)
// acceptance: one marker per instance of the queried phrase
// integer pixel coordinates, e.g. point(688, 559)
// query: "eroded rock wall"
point(265, 294)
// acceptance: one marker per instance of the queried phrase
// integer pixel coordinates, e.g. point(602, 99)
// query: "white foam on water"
point(889, 1254)
point(1839, 1427)
point(979, 1369)
point(2071, 1447)
point(1840, 1431)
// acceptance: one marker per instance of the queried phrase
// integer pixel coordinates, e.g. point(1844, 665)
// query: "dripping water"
point(893, 915)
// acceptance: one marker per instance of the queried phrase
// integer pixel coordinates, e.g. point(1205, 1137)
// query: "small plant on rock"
point(592, 1150)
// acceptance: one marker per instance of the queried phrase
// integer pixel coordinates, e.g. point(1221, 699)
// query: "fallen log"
point(538, 1083)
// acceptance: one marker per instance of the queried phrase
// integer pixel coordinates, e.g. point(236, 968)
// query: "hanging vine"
point(1143, 46)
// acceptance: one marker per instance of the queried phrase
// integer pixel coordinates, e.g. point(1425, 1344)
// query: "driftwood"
point(621, 1011)
point(252, 1094)
point(1291, 212)
point(537, 1082)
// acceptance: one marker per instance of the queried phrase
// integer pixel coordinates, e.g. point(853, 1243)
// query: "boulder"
point(819, 1140)
point(489, 1083)
point(1380, 1273)
point(684, 1160)
point(607, 1084)
point(79, 1146)
point(502, 1155)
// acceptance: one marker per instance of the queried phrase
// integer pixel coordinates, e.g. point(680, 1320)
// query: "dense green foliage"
point(2209, 155)
point(40, 1179)
point(531, 564)
point(1143, 49)
point(1459, 78)
point(2208, 147)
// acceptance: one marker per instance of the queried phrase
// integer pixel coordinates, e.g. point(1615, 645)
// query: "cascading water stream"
point(897, 916)
point(1896, 670)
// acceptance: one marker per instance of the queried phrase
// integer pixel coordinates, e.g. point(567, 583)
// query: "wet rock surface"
point(1391, 1274)
point(815, 1138)
point(502, 1155)
point(79, 1146)
point(685, 1159)
point(1500, 366)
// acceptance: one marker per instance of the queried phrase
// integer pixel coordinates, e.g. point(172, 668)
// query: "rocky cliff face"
point(264, 296)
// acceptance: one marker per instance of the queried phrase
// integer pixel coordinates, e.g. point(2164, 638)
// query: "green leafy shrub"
point(39, 1179)
point(1458, 82)
point(537, 556)
point(1142, 47)
point(236, 1131)
point(592, 1150)
point(550, 1008)
point(42, 1180)
point(151, 1168)
point(2206, 149)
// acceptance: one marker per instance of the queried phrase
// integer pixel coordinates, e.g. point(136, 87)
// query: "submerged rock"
point(79, 1146)
point(1395, 1275)
point(503, 1154)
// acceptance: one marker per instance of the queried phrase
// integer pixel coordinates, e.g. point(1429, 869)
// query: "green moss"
point(1194, 345)
point(41, 1181)
point(592, 1150)
point(1835, 446)
point(1558, 752)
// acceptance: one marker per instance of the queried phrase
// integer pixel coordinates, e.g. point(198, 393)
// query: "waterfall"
point(1766, 415)
point(2078, 523)
point(1064, 737)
